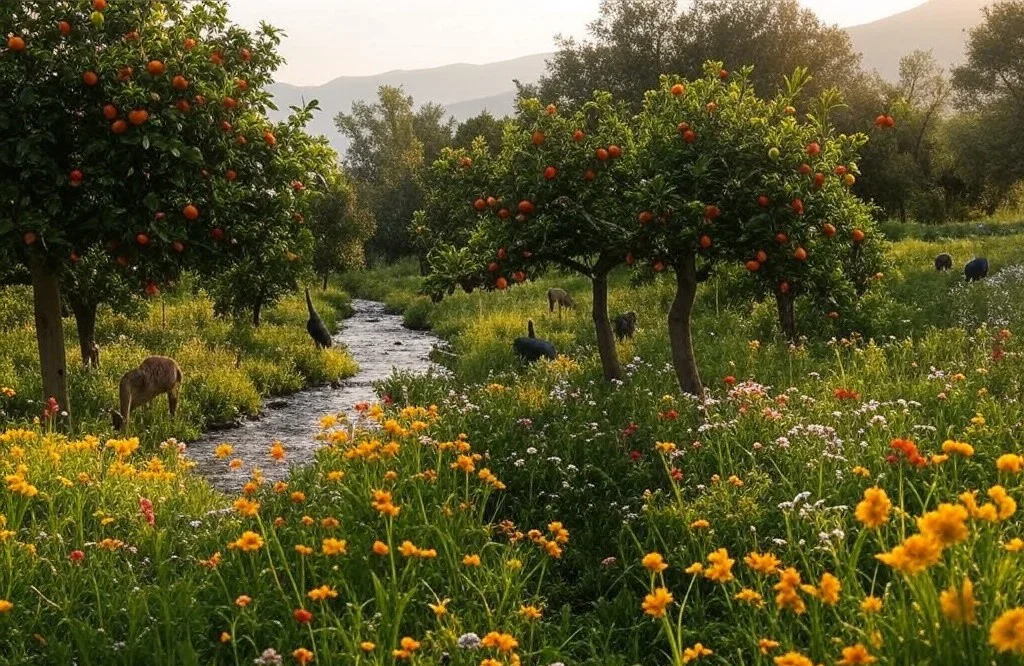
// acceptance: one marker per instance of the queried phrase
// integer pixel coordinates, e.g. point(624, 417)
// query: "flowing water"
point(377, 341)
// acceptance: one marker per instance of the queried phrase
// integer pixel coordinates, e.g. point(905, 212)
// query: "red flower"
point(51, 409)
point(846, 394)
point(730, 380)
point(630, 430)
point(76, 556)
point(909, 449)
point(677, 474)
point(146, 509)
point(635, 455)
point(388, 400)
point(302, 616)
point(670, 415)
point(892, 459)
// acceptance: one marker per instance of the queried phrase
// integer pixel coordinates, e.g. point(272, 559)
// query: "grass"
point(228, 366)
point(533, 507)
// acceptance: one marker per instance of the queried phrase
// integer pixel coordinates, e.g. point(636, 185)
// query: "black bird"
point(625, 325)
point(976, 269)
point(531, 349)
point(943, 262)
point(317, 330)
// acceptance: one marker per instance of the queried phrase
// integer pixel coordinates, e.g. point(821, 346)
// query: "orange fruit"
point(502, 254)
point(828, 230)
point(109, 111)
point(179, 82)
point(190, 212)
point(819, 181)
point(858, 235)
point(491, 202)
point(762, 256)
point(190, 44)
point(525, 207)
point(614, 151)
point(784, 287)
point(601, 154)
point(124, 73)
point(537, 138)
point(99, 5)
point(242, 84)
point(90, 78)
point(753, 266)
point(798, 206)
point(231, 175)
point(178, 246)
point(849, 179)
point(501, 283)
point(183, 106)
point(705, 242)
point(805, 169)
point(551, 109)
point(781, 238)
point(29, 237)
point(246, 55)
point(578, 136)
point(138, 116)
point(589, 175)
point(840, 170)
point(493, 267)
point(64, 27)
point(216, 58)
point(155, 67)
point(763, 201)
point(519, 277)
point(800, 254)
point(480, 205)
point(119, 127)
point(712, 212)
point(142, 239)
point(658, 266)
point(76, 178)
point(723, 74)
point(645, 217)
point(813, 149)
point(550, 173)
point(504, 213)
point(271, 140)
point(230, 103)
point(689, 136)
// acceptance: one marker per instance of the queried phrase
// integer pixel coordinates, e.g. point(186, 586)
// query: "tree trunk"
point(787, 315)
point(605, 337)
point(679, 327)
point(85, 321)
point(325, 282)
point(256, 311)
point(50, 332)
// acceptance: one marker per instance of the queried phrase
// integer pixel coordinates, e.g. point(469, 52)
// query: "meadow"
point(851, 499)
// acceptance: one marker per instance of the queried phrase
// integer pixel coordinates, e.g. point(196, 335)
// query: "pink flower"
point(635, 455)
point(76, 556)
point(146, 509)
point(388, 400)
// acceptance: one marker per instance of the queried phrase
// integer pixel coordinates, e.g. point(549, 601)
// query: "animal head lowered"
point(154, 376)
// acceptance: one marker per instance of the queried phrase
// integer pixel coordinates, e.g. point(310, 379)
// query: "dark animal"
point(943, 262)
point(976, 269)
point(93, 359)
point(562, 298)
point(155, 375)
point(316, 327)
point(625, 325)
point(531, 348)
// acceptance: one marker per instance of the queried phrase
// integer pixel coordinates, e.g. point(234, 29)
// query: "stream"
point(379, 344)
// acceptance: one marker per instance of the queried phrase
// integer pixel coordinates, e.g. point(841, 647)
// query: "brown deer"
point(155, 375)
point(562, 298)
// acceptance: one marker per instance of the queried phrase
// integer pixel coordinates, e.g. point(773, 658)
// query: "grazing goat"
point(316, 327)
point(531, 348)
point(976, 269)
point(943, 262)
point(625, 325)
point(155, 375)
point(562, 298)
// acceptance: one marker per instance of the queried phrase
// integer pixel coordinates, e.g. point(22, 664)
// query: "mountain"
point(466, 90)
point(938, 25)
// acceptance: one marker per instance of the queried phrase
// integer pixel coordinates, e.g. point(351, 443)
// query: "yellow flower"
point(302, 656)
point(322, 593)
point(695, 569)
point(499, 641)
point(367, 646)
point(695, 652)
point(947, 525)
point(408, 549)
point(335, 475)
point(1010, 463)
point(236, 463)
point(960, 448)
point(277, 451)
point(720, 570)
point(530, 612)
point(793, 659)
point(1014, 545)
point(248, 542)
point(856, 655)
point(409, 644)
point(700, 524)
point(749, 596)
point(328, 421)
point(766, 563)
point(1004, 503)
point(871, 604)
point(828, 589)
point(464, 463)
point(440, 608)
point(471, 560)
point(861, 471)
point(303, 550)
point(246, 507)
point(665, 447)
point(223, 450)
point(978, 420)
point(654, 562)
point(334, 547)
point(657, 601)
point(736, 481)
point(914, 555)
point(873, 510)
point(1007, 633)
point(766, 645)
point(225, 637)
point(788, 589)
point(958, 605)
point(380, 548)
point(6, 606)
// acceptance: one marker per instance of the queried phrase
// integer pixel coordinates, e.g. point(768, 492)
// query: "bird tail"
point(309, 303)
point(529, 327)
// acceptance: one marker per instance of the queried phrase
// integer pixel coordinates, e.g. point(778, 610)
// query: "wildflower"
point(856, 655)
point(471, 560)
point(871, 604)
point(749, 596)
point(654, 563)
point(322, 593)
point(960, 448)
point(793, 659)
point(270, 657)
point(440, 608)
point(277, 451)
point(243, 600)
point(873, 510)
point(248, 542)
point(695, 652)
point(246, 507)
point(978, 420)
point(408, 549)
point(236, 463)
point(657, 601)
point(303, 550)
point(788, 591)
point(468, 641)
point(720, 570)
point(302, 656)
point(860, 471)
point(335, 475)
point(736, 481)
point(766, 564)
point(123, 447)
point(766, 645)
point(225, 637)
point(464, 463)
point(499, 641)
point(298, 497)
point(1014, 545)
point(910, 451)
point(530, 612)
point(367, 646)
point(695, 569)
point(6, 606)
point(828, 589)
point(514, 564)
point(958, 604)
point(914, 555)
point(1007, 632)
point(665, 448)
point(334, 547)
point(700, 524)
point(223, 450)
point(1010, 463)
point(211, 563)
point(946, 525)
point(380, 548)
point(1004, 503)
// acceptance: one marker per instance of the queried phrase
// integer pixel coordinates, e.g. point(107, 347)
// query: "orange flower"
point(302, 656)
point(334, 547)
point(380, 548)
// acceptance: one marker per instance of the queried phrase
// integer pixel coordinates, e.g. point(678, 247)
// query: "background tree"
point(340, 228)
point(111, 115)
point(483, 125)
point(91, 281)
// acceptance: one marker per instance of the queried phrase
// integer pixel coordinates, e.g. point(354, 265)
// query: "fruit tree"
point(118, 117)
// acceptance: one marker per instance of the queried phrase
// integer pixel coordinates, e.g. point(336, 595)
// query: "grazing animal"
point(93, 359)
point(562, 298)
point(155, 375)
point(625, 325)
point(943, 262)
point(531, 348)
point(976, 269)
point(316, 327)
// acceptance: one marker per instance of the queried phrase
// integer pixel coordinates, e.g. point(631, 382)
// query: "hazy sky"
point(331, 38)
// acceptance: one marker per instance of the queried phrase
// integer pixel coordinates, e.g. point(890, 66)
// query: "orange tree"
point(731, 177)
point(116, 116)
point(558, 198)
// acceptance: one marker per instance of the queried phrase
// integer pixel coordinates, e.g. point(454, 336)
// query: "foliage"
point(340, 228)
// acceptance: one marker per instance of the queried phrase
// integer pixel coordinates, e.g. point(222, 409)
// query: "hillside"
point(466, 90)
point(939, 25)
